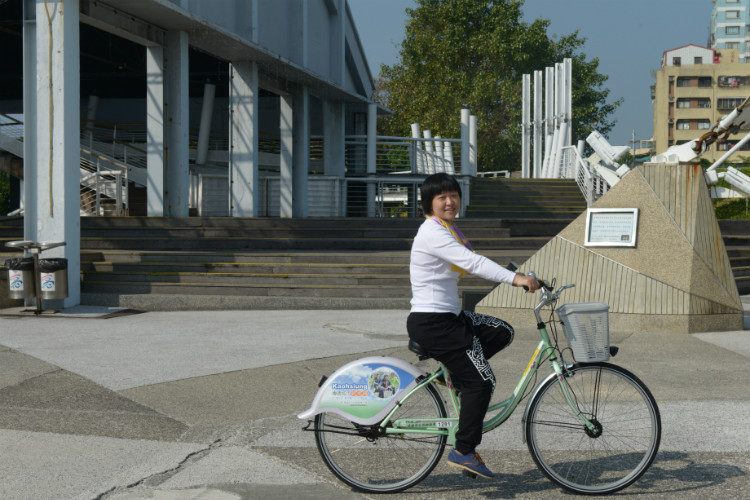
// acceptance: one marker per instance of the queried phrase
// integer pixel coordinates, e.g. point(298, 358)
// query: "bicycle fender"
point(534, 395)
point(365, 390)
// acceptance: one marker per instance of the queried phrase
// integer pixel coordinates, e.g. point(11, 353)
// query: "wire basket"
point(586, 326)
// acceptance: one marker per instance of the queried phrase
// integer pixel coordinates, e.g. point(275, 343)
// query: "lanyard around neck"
point(459, 237)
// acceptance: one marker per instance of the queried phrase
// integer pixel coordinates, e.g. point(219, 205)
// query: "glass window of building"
point(733, 30)
point(703, 102)
point(734, 81)
point(676, 61)
point(697, 60)
point(732, 45)
point(726, 103)
point(683, 124)
point(704, 124)
point(733, 14)
point(704, 81)
point(683, 81)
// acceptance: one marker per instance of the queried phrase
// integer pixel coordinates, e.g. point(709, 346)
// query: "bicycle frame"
point(545, 351)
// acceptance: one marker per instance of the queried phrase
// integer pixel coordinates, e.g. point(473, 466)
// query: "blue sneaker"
point(471, 462)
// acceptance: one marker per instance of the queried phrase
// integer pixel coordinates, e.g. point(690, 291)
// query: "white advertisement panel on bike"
point(364, 390)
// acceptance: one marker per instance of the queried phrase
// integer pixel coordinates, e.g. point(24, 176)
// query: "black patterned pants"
point(464, 343)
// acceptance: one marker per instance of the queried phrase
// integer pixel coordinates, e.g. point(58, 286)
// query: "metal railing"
point(400, 155)
point(104, 191)
point(592, 184)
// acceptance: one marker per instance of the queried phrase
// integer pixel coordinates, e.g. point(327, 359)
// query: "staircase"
point(502, 198)
point(222, 263)
point(736, 236)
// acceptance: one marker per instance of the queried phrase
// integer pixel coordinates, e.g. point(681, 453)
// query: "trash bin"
point(53, 274)
point(21, 278)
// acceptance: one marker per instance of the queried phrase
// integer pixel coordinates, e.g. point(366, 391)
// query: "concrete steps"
point(526, 199)
point(736, 236)
point(222, 263)
point(274, 263)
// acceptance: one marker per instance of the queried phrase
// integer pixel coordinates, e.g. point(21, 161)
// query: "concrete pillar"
point(465, 147)
point(372, 130)
point(338, 42)
point(473, 156)
point(537, 124)
point(300, 151)
point(177, 105)
point(29, 187)
point(91, 107)
point(243, 139)
point(155, 131)
point(334, 135)
point(52, 124)
point(204, 132)
point(525, 125)
point(286, 116)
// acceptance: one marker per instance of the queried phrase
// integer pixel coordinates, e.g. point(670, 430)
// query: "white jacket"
point(434, 286)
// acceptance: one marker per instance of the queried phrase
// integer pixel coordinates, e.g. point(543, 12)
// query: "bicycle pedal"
point(469, 474)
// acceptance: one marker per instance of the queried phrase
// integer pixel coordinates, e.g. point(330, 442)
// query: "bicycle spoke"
point(616, 452)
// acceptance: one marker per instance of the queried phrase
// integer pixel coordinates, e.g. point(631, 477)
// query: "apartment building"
point(695, 87)
point(730, 27)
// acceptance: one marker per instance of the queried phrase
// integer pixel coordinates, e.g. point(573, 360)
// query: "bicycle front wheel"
point(613, 455)
point(366, 459)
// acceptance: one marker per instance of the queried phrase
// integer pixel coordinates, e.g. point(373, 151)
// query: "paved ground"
point(101, 404)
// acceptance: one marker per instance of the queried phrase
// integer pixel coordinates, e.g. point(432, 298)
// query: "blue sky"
point(629, 38)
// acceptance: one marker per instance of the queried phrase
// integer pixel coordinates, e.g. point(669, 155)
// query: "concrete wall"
point(677, 278)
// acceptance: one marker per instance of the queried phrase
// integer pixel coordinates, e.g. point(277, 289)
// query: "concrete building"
point(694, 88)
point(730, 27)
point(289, 69)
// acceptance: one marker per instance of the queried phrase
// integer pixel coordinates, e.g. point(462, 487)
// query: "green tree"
point(473, 52)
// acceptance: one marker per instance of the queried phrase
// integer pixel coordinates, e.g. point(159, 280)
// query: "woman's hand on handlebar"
point(529, 283)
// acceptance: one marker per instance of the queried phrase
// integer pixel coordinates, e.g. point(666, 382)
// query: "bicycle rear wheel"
point(370, 461)
point(617, 452)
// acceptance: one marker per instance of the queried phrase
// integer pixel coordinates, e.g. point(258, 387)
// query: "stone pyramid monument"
point(676, 278)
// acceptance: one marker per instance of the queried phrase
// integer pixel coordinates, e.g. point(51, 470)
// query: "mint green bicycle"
point(592, 428)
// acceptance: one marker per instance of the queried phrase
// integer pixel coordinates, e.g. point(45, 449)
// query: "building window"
point(693, 124)
point(676, 61)
point(734, 81)
point(727, 145)
point(727, 103)
point(733, 14)
point(697, 60)
point(683, 81)
point(704, 81)
point(732, 1)
point(733, 30)
point(700, 102)
point(732, 45)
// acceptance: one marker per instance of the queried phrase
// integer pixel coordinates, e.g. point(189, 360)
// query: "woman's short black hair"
point(435, 184)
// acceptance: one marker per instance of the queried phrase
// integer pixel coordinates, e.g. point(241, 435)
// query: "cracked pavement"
point(203, 405)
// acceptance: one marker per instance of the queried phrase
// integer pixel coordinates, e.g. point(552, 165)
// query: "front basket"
point(586, 326)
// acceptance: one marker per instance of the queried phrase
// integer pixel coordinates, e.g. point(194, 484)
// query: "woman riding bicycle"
point(462, 340)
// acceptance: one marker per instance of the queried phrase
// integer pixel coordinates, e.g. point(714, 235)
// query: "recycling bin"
point(53, 274)
point(21, 278)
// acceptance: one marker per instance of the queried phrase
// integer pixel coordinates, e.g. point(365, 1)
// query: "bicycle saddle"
point(418, 350)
